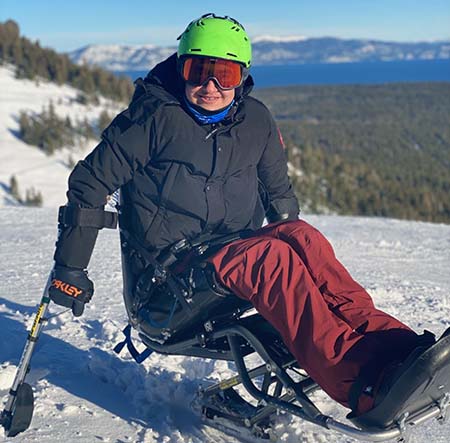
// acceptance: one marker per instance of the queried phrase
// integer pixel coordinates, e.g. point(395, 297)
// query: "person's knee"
point(300, 229)
point(270, 250)
point(303, 226)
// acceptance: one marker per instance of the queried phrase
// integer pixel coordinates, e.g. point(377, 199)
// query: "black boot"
point(409, 385)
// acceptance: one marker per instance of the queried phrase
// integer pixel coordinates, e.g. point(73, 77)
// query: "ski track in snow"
point(84, 392)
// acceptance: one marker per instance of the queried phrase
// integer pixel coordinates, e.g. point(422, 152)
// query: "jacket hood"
point(165, 76)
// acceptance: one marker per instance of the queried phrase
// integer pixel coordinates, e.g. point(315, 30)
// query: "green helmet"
point(213, 36)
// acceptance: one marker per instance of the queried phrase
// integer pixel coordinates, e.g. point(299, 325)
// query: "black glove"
point(70, 287)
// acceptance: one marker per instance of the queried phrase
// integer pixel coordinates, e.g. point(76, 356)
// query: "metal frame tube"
point(285, 402)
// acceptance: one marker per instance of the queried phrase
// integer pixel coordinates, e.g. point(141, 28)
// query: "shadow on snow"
point(123, 388)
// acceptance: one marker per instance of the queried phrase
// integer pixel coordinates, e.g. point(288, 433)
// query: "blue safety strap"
point(165, 324)
point(139, 357)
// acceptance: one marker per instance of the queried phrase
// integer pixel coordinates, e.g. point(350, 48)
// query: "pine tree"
point(103, 121)
point(14, 188)
point(33, 198)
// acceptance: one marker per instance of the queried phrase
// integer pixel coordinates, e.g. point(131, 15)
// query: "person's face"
point(209, 96)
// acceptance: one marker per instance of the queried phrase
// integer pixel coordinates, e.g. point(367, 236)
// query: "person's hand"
point(70, 287)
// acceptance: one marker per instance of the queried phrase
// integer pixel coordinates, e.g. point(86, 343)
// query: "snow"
point(339, 59)
point(122, 57)
point(31, 166)
point(275, 54)
point(84, 392)
point(278, 38)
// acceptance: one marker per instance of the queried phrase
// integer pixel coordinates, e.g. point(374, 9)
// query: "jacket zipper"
point(214, 129)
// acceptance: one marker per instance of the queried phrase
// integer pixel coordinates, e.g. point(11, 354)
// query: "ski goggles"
point(199, 70)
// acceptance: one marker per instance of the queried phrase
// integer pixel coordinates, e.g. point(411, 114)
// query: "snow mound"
point(7, 373)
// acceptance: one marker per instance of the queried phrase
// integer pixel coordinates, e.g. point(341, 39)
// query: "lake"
point(345, 73)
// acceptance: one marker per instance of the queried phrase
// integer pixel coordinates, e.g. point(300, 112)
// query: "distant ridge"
point(271, 50)
point(121, 57)
point(278, 39)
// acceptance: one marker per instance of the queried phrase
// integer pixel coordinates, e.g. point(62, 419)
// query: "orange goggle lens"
point(198, 70)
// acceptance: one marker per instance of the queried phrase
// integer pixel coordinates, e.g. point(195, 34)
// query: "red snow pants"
point(289, 272)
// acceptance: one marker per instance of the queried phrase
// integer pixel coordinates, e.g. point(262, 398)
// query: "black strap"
point(139, 357)
point(364, 383)
point(161, 272)
point(87, 217)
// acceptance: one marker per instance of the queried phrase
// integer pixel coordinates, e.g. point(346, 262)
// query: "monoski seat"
point(188, 313)
point(201, 326)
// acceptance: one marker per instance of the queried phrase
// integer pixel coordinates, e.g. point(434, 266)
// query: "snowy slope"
point(85, 393)
point(32, 167)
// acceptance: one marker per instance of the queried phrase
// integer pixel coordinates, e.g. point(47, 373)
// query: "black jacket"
point(179, 179)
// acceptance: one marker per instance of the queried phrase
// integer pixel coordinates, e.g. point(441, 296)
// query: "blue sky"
point(68, 25)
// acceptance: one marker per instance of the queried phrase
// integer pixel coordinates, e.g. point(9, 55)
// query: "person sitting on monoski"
point(194, 154)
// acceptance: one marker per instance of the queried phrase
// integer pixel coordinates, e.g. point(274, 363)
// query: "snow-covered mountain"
point(270, 50)
point(121, 58)
point(31, 167)
point(85, 393)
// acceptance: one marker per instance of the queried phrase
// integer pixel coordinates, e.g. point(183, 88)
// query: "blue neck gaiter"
point(208, 118)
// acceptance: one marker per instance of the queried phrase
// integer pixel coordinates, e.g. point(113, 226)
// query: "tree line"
point(32, 196)
point(50, 132)
point(32, 61)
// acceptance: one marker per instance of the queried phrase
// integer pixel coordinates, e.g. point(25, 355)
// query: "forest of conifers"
point(368, 149)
